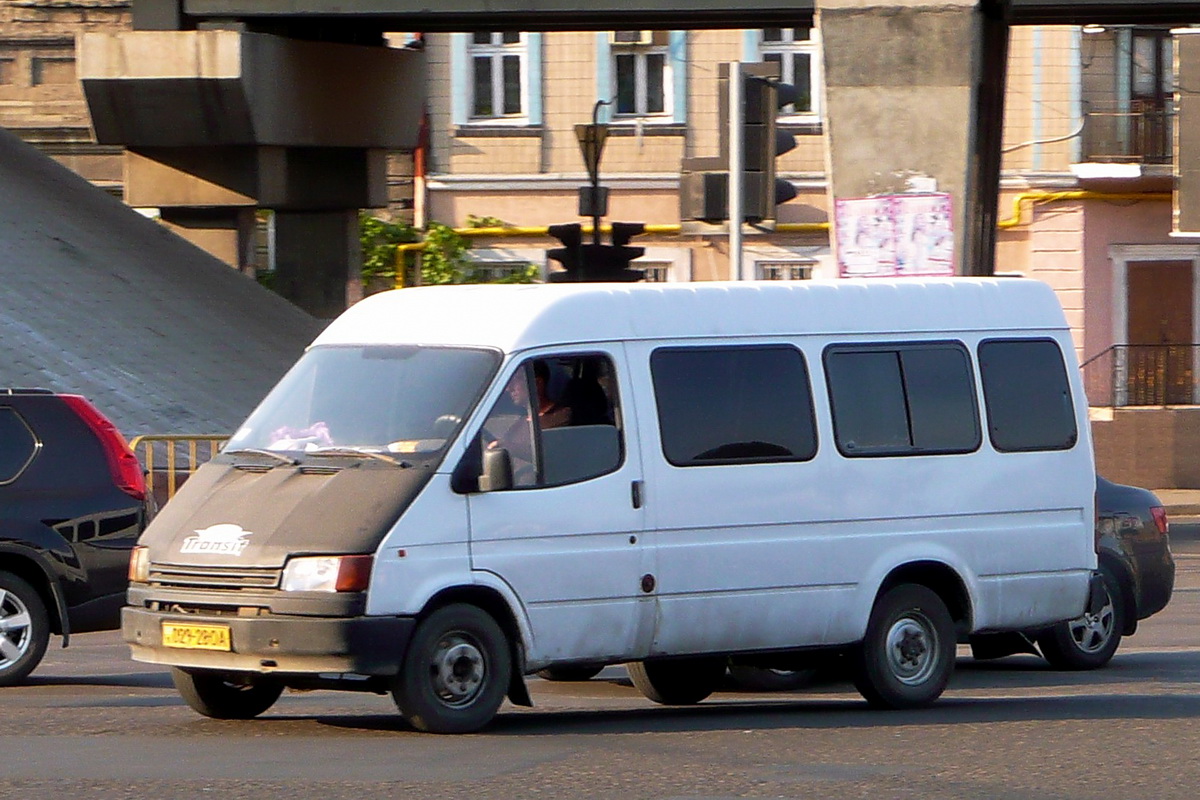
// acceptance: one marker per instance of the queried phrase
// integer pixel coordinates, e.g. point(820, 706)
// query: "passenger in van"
point(551, 414)
point(509, 425)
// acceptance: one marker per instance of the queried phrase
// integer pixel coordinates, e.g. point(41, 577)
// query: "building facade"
point(1089, 157)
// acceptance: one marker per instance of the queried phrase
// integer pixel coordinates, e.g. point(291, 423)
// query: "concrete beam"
point(282, 178)
point(224, 233)
point(222, 87)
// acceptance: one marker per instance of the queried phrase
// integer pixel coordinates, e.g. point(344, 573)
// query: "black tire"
point(679, 681)
point(223, 695)
point(569, 673)
point(907, 656)
point(24, 629)
point(1091, 640)
point(763, 679)
point(456, 671)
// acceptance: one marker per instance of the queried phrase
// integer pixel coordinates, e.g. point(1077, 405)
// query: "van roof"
point(516, 317)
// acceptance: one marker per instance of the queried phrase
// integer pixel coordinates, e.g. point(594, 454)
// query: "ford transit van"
point(456, 487)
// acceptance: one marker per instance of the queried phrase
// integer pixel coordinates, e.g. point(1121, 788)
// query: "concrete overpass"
point(228, 105)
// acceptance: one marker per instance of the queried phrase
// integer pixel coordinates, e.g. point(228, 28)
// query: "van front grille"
point(225, 578)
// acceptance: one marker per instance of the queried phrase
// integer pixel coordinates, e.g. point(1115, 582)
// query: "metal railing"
point(173, 458)
point(1140, 135)
point(1143, 375)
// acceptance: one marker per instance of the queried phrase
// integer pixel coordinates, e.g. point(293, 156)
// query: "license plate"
point(195, 637)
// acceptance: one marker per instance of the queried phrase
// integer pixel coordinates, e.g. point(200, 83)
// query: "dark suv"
point(1139, 576)
point(74, 502)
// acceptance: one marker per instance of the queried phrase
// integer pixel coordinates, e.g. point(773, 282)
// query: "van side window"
point(1027, 395)
point(902, 399)
point(733, 405)
point(559, 420)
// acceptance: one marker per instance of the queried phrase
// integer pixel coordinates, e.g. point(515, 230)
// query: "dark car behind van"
point(1134, 554)
point(74, 502)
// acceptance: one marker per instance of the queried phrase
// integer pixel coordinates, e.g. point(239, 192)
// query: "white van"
point(458, 486)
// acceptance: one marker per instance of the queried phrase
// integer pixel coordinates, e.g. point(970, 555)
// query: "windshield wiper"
point(350, 451)
point(280, 457)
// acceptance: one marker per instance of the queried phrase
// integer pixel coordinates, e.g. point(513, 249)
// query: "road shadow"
point(832, 703)
point(801, 713)
point(140, 680)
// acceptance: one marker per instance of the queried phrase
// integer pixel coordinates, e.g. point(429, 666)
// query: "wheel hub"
point(457, 669)
point(14, 629)
point(1092, 631)
point(911, 650)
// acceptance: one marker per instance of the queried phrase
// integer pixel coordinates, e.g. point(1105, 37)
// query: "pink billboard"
point(895, 235)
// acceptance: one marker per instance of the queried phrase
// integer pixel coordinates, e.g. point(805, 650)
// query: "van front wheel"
point(907, 656)
point(455, 673)
point(679, 681)
point(222, 696)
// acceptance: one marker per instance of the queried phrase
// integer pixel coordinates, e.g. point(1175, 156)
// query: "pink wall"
point(1108, 223)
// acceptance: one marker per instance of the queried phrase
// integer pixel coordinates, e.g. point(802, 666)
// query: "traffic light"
point(591, 263)
point(571, 236)
point(704, 182)
point(764, 141)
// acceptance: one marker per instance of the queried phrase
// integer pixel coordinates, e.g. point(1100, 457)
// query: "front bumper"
point(277, 644)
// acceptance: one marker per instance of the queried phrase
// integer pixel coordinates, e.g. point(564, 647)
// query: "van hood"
point(253, 516)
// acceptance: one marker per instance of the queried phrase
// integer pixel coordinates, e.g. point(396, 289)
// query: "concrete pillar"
point(318, 260)
point(225, 233)
point(219, 122)
point(905, 98)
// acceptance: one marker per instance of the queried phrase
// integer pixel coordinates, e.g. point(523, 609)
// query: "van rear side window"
point(905, 399)
point(1027, 395)
point(733, 405)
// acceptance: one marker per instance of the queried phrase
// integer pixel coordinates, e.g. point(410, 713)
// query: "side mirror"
point(497, 473)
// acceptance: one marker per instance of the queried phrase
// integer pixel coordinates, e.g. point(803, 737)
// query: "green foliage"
point(379, 238)
point(442, 261)
point(486, 222)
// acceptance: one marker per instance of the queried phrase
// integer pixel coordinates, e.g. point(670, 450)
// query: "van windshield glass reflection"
point(381, 399)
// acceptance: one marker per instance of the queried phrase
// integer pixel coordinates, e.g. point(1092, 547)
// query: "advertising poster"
point(865, 237)
point(892, 235)
point(924, 234)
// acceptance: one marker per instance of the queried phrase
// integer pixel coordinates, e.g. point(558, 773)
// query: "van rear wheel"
point(907, 656)
point(678, 681)
point(455, 673)
point(226, 695)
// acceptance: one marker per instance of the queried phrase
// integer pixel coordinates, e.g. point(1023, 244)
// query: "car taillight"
point(123, 465)
point(1160, 518)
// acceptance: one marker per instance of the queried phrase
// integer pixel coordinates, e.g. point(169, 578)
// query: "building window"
point(784, 270)
point(8, 72)
point(655, 271)
point(796, 51)
point(642, 73)
point(53, 71)
point(497, 271)
point(497, 66)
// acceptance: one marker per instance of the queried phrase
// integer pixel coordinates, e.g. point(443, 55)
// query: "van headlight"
point(327, 574)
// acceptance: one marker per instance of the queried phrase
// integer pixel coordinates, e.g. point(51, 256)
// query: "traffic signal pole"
point(737, 157)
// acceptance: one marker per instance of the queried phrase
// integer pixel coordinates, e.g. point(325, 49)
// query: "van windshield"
point(375, 399)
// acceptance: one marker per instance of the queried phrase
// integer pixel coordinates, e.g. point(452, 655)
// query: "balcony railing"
point(1143, 375)
point(1137, 135)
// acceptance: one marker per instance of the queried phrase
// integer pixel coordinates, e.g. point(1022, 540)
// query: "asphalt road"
point(93, 724)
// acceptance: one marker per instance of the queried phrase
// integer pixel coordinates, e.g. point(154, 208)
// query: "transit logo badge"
point(224, 538)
